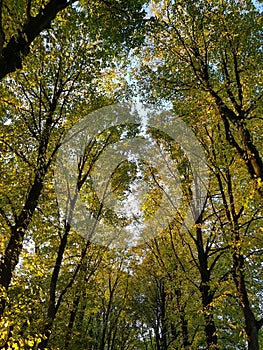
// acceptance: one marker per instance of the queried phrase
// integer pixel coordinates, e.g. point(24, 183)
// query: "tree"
point(48, 98)
point(183, 287)
point(15, 43)
point(191, 64)
point(201, 63)
point(40, 101)
point(16, 39)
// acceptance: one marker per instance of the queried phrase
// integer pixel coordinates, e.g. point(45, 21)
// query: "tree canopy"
point(181, 179)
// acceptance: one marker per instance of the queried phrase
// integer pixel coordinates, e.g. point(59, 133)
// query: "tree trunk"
point(252, 325)
point(12, 252)
point(52, 305)
point(206, 293)
point(72, 318)
point(18, 46)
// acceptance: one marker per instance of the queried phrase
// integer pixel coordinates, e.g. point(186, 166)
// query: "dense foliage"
point(198, 288)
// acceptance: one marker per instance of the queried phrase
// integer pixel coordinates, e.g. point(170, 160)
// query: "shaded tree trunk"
point(205, 290)
point(53, 306)
point(18, 46)
point(14, 247)
point(72, 318)
point(12, 252)
point(252, 326)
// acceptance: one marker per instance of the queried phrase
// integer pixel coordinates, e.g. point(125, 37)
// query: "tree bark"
point(72, 318)
point(52, 305)
point(18, 46)
point(206, 293)
point(252, 326)
point(12, 252)
point(247, 149)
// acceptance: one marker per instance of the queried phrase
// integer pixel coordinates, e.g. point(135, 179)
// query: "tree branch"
point(18, 46)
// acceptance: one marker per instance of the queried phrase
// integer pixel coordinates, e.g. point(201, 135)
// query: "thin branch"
point(18, 46)
point(2, 212)
point(28, 9)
